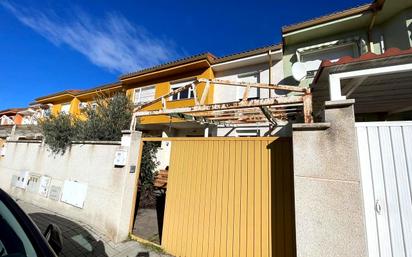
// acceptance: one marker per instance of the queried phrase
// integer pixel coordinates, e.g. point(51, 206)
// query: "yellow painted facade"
point(163, 87)
point(75, 99)
point(230, 197)
point(162, 80)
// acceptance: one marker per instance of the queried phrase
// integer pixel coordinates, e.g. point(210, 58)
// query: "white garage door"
point(385, 152)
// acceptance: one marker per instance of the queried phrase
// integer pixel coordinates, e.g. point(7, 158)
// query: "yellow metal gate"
point(230, 197)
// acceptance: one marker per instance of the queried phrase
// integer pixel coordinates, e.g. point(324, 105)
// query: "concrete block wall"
point(109, 199)
point(328, 196)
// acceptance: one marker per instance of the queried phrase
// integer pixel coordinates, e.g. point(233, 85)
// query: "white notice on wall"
point(3, 149)
point(74, 193)
point(120, 158)
point(22, 179)
point(44, 185)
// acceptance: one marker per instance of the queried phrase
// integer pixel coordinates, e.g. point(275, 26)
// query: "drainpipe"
point(371, 24)
point(378, 4)
point(270, 71)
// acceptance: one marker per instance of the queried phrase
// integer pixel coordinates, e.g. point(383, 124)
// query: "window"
point(13, 239)
point(248, 132)
point(330, 53)
point(4, 120)
point(47, 112)
point(313, 57)
point(249, 78)
point(186, 94)
point(27, 120)
point(65, 108)
point(144, 94)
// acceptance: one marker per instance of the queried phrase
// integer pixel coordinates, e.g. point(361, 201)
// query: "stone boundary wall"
point(108, 201)
point(328, 194)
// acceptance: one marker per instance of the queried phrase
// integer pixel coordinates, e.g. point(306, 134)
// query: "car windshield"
point(13, 240)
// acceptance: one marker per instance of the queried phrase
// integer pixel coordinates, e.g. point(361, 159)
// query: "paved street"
point(80, 239)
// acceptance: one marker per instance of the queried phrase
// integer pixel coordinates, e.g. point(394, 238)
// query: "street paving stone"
point(80, 239)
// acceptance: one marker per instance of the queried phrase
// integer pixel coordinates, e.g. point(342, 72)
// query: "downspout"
point(371, 24)
point(378, 4)
point(270, 71)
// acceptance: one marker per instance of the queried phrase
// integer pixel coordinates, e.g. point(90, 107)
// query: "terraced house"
point(297, 149)
point(262, 65)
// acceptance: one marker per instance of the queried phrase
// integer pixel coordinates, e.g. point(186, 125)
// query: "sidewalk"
point(80, 239)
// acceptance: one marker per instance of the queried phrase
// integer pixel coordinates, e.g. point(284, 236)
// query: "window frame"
point(139, 92)
point(190, 90)
point(37, 240)
point(330, 48)
point(64, 111)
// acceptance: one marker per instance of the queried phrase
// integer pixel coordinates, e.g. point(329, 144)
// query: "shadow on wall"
point(76, 240)
point(283, 211)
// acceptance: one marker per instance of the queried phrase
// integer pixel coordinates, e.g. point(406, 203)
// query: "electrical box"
point(120, 158)
point(44, 185)
point(74, 193)
point(33, 183)
point(22, 179)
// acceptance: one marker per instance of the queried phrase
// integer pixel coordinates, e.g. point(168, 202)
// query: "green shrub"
point(59, 131)
point(104, 122)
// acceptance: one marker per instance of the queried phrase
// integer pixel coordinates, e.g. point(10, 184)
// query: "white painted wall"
point(109, 200)
point(224, 94)
point(163, 153)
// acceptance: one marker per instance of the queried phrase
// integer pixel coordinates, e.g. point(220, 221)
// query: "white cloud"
point(112, 43)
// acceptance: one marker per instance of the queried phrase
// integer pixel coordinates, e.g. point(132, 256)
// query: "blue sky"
point(49, 46)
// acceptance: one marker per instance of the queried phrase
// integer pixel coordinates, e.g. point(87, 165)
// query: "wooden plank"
point(178, 193)
point(246, 93)
point(195, 94)
point(171, 200)
point(188, 117)
point(270, 201)
point(268, 114)
point(250, 207)
point(255, 85)
point(243, 199)
point(198, 208)
point(183, 234)
point(164, 106)
point(223, 245)
point(205, 92)
point(265, 201)
point(233, 167)
point(307, 108)
point(224, 106)
point(258, 199)
point(207, 203)
point(219, 193)
point(202, 200)
point(213, 197)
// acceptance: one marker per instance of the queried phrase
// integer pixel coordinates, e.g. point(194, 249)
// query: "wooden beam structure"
point(255, 85)
point(224, 106)
point(272, 109)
